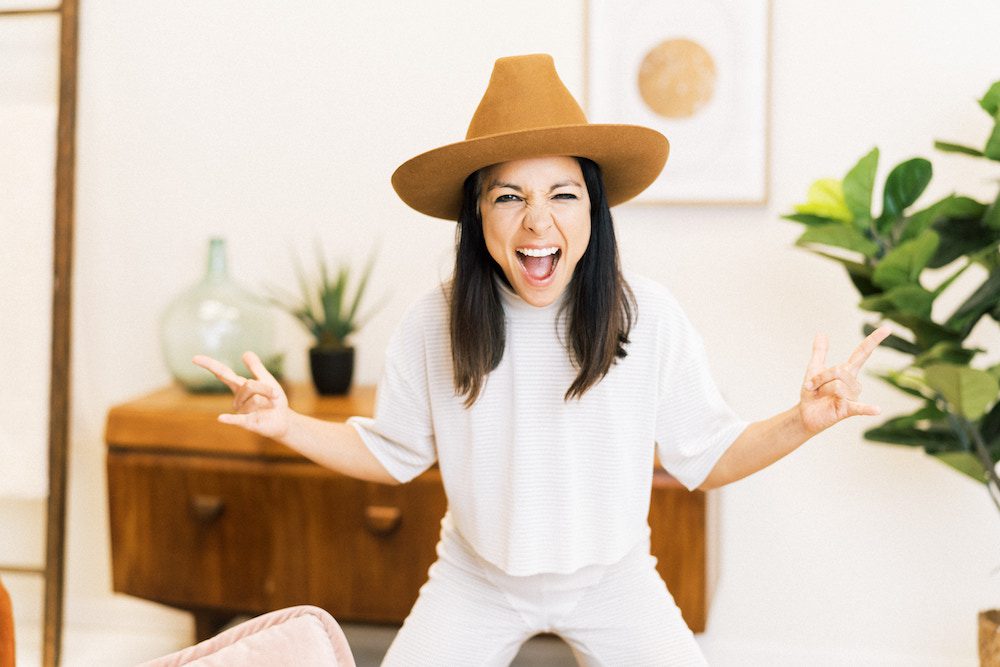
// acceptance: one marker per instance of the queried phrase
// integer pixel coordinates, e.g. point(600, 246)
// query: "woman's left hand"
point(831, 394)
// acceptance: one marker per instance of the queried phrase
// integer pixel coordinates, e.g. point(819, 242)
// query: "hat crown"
point(524, 93)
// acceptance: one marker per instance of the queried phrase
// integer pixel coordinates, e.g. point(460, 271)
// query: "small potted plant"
point(326, 310)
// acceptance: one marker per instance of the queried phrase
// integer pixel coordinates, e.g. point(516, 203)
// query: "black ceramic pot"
point(332, 369)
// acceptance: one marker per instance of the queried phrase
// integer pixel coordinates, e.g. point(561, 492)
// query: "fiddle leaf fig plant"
point(886, 255)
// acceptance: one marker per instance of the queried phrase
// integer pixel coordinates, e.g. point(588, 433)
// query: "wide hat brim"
point(630, 156)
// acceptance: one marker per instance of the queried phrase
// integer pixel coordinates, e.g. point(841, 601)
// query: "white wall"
point(269, 123)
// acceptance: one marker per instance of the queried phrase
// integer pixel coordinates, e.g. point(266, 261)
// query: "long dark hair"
point(600, 305)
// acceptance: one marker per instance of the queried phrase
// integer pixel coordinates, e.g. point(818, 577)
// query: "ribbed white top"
point(536, 483)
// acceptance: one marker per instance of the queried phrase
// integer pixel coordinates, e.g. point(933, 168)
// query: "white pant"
point(471, 613)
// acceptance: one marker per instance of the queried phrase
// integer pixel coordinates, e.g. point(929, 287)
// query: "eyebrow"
point(517, 188)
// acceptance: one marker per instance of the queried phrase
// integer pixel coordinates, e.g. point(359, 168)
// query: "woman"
point(542, 382)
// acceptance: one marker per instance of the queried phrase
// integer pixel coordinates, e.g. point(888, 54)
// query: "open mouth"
point(539, 263)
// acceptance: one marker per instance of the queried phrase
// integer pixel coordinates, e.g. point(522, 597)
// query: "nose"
point(537, 220)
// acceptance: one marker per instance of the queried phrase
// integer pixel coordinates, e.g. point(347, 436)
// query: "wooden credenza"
point(219, 521)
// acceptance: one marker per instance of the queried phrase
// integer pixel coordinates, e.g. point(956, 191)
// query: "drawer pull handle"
point(382, 520)
point(207, 508)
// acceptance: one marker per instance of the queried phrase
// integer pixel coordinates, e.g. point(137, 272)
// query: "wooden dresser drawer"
point(249, 535)
point(220, 521)
point(677, 520)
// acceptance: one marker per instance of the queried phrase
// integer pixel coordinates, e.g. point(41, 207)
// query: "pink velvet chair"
point(301, 636)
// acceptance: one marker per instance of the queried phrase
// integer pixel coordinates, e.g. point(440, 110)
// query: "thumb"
point(864, 409)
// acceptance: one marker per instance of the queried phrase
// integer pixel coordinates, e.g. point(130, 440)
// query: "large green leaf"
point(838, 235)
point(961, 207)
point(957, 148)
point(826, 199)
point(893, 341)
point(907, 382)
point(858, 184)
point(983, 300)
point(863, 283)
point(909, 298)
point(946, 352)
point(968, 391)
point(991, 104)
point(965, 463)
point(991, 219)
point(927, 333)
point(904, 263)
point(905, 183)
point(951, 206)
point(991, 100)
point(992, 150)
point(913, 225)
point(959, 237)
point(989, 427)
point(855, 268)
point(860, 274)
point(935, 438)
point(808, 220)
point(930, 412)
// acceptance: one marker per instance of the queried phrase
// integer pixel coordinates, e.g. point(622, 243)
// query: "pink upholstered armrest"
point(297, 636)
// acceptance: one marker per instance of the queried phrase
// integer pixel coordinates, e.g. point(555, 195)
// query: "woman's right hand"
point(259, 404)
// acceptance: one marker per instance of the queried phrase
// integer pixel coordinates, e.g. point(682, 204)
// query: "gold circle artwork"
point(677, 78)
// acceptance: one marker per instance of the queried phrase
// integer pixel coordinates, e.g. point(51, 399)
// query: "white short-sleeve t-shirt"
point(536, 483)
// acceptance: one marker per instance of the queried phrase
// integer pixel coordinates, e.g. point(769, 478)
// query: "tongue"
point(538, 267)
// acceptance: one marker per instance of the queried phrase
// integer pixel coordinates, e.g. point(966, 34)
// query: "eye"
point(507, 197)
point(565, 195)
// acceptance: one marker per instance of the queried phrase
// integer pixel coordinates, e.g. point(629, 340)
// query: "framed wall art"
point(697, 71)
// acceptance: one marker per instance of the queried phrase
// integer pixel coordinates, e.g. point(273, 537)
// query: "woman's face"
point(536, 220)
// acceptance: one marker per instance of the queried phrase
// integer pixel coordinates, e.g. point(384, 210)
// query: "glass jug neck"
point(217, 269)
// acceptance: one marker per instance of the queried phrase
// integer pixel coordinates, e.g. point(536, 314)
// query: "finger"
point(843, 379)
point(247, 421)
point(839, 389)
point(250, 389)
point(867, 346)
point(830, 374)
point(863, 409)
point(818, 359)
point(255, 403)
point(221, 371)
point(256, 367)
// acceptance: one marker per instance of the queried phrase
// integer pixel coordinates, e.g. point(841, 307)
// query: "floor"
point(108, 637)
point(368, 644)
point(86, 648)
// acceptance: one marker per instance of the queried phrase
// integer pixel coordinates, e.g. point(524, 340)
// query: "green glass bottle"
point(218, 318)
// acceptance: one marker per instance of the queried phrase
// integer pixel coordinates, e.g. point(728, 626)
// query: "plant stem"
point(964, 428)
point(984, 454)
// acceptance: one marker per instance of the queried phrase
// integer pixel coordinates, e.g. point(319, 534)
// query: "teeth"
point(538, 252)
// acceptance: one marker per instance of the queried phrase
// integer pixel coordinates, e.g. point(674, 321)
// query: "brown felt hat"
point(528, 112)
